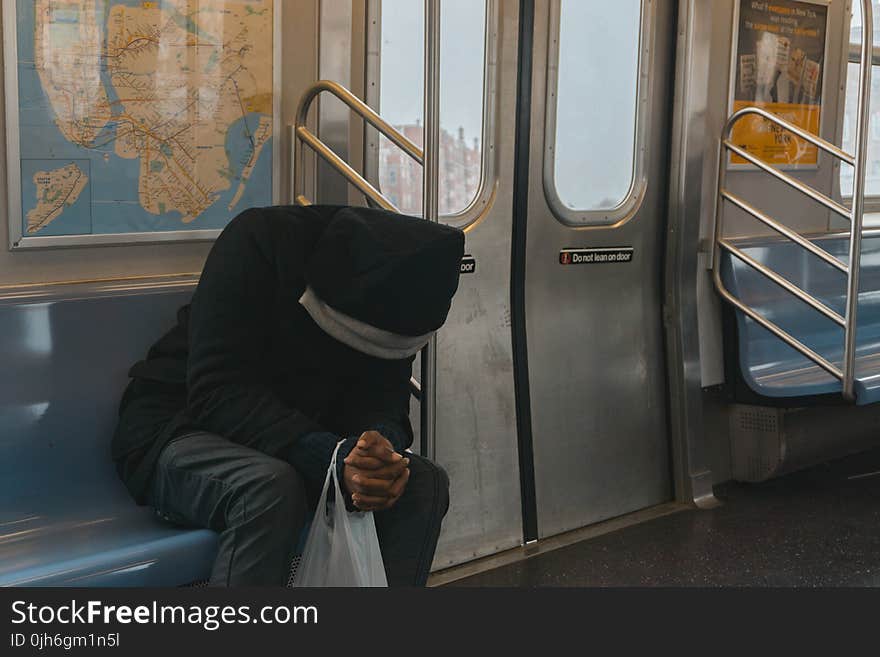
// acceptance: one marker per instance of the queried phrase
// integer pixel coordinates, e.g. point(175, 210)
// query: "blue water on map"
point(109, 203)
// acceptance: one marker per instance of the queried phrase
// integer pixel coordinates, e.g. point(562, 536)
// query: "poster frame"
point(20, 242)
point(731, 92)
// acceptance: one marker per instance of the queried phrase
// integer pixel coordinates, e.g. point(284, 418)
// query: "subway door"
point(476, 408)
point(601, 100)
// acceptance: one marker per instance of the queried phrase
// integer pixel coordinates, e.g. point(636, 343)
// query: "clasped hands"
point(375, 475)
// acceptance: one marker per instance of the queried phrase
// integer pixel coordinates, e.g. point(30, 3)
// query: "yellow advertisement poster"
point(778, 66)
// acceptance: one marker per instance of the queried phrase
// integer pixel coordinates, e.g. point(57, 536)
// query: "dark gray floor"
point(819, 527)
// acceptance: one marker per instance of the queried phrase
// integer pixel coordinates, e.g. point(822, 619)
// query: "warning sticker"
point(606, 255)
point(468, 264)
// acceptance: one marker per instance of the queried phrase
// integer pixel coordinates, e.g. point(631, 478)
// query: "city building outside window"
point(462, 97)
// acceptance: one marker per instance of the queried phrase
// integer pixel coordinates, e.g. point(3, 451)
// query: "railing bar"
point(343, 167)
point(786, 285)
point(361, 109)
point(790, 181)
point(855, 54)
point(820, 143)
point(858, 201)
point(791, 341)
point(784, 230)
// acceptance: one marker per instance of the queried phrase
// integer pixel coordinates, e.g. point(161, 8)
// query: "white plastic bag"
point(342, 548)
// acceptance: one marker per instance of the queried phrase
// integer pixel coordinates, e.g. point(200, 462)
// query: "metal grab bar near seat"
point(848, 322)
point(302, 135)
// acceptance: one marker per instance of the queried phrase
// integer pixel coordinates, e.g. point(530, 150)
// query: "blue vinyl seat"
point(65, 517)
point(770, 367)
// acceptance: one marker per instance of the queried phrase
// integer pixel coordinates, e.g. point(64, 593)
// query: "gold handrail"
point(303, 136)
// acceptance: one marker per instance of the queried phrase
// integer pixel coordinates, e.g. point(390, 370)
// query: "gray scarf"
point(358, 335)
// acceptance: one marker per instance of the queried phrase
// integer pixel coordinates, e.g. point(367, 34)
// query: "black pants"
point(259, 505)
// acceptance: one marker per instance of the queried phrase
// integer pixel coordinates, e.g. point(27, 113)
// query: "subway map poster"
point(132, 119)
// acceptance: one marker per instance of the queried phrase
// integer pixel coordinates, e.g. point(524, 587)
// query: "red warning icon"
point(564, 258)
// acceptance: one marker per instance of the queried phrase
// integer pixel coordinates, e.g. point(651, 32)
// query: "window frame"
point(631, 203)
point(854, 56)
point(488, 184)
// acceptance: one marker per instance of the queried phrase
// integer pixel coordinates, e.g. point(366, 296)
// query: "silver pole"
point(430, 210)
point(294, 166)
point(858, 208)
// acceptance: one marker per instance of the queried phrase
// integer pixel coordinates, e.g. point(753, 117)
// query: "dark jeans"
point(259, 505)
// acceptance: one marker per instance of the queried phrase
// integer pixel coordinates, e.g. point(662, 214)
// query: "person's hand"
point(375, 475)
point(372, 452)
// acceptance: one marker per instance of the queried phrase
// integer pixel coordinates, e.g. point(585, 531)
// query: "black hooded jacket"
point(247, 362)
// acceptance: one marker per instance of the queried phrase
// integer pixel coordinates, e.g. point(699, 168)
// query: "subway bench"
point(768, 366)
point(65, 517)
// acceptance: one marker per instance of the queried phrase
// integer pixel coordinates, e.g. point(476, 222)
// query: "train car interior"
point(662, 363)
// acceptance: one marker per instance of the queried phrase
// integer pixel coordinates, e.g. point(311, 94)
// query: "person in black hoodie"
point(301, 334)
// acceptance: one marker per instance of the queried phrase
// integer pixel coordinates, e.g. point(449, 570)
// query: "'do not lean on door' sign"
point(604, 255)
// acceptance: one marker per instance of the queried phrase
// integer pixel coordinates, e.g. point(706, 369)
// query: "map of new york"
point(162, 83)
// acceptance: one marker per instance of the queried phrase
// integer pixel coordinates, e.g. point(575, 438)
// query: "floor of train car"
point(817, 527)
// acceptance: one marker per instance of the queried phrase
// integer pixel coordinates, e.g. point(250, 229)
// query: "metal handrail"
point(302, 135)
point(855, 53)
point(848, 321)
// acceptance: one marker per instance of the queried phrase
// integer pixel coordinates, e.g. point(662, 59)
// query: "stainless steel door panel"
point(476, 425)
point(594, 332)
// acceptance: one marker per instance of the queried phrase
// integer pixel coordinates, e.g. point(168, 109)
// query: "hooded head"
point(381, 282)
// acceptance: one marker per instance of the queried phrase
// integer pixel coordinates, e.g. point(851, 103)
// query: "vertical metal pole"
point(297, 164)
point(723, 157)
point(294, 164)
point(858, 209)
point(430, 210)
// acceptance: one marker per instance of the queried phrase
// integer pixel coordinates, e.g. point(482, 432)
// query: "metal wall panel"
point(699, 449)
point(595, 341)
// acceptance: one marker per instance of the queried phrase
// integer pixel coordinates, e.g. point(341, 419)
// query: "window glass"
point(872, 175)
point(596, 100)
point(462, 57)
point(856, 24)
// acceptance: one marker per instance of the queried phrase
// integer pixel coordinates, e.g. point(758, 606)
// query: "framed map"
point(138, 121)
